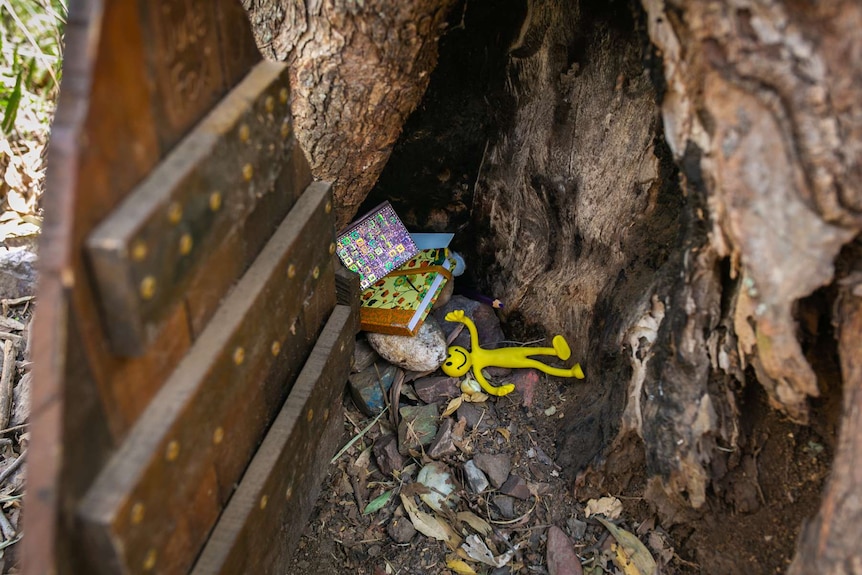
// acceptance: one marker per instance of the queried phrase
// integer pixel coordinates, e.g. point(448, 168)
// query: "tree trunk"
point(672, 186)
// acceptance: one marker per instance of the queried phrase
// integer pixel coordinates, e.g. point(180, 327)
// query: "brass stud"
point(139, 250)
point(137, 513)
point(218, 435)
point(328, 207)
point(275, 348)
point(238, 356)
point(331, 248)
point(244, 133)
point(310, 415)
point(150, 560)
point(316, 273)
point(282, 95)
point(175, 213)
point(172, 451)
point(186, 244)
point(215, 201)
point(291, 271)
point(285, 130)
point(270, 103)
point(263, 501)
point(326, 414)
point(289, 493)
point(247, 172)
point(148, 287)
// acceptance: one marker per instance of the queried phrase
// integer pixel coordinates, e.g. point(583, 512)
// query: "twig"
point(18, 300)
point(4, 475)
point(356, 437)
point(11, 542)
point(14, 428)
point(6, 383)
point(12, 336)
point(11, 323)
point(395, 397)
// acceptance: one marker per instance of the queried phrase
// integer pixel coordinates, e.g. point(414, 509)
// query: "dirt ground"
point(750, 523)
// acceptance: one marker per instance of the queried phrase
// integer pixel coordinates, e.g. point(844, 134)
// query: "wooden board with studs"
point(182, 458)
point(144, 254)
point(258, 530)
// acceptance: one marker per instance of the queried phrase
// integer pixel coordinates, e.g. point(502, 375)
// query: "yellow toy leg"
point(561, 346)
point(574, 371)
point(490, 389)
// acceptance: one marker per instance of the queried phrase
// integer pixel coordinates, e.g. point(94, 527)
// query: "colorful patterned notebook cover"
point(375, 245)
point(398, 304)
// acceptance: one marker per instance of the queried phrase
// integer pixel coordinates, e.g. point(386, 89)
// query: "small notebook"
point(399, 303)
point(375, 245)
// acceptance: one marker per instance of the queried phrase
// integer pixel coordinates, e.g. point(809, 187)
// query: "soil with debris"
point(512, 509)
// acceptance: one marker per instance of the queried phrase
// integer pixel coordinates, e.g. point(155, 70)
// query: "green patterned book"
point(399, 303)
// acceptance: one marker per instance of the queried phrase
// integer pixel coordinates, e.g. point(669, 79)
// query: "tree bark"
point(357, 71)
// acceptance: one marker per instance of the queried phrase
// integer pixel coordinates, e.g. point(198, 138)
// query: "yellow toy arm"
point(490, 389)
point(459, 316)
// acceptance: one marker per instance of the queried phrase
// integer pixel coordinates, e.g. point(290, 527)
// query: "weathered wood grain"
point(180, 462)
point(144, 254)
point(265, 517)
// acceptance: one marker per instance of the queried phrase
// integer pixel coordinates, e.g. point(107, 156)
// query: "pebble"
point(576, 527)
point(475, 478)
point(497, 467)
point(562, 559)
point(401, 530)
point(516, 487)
point(421, 421)
point(436, 389)
point(386, 454)
point(525, 382)
point(505, 505)
point(365, 387)
point(426, 351)
point(478, 414)
point(18, 270)
point(444, 443)
point(363, 355)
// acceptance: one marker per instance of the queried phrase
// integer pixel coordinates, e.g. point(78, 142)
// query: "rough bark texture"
point(357, 71)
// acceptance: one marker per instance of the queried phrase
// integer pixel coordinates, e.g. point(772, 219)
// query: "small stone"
point(525, 382)
point(21, 401)
point(496, 466)
point(562, 559)
point(436, 389)
point(444, 443)
point(543, 457)
point(18, 270)
point(386, 454)
point(576, 527)
point(475, 478)
point(363, 355)
point(401, 530)
point(426, 351)
point(418, 427)
point(516, 487)
point(478, 414)
point(365, 387)
point(455, 302)
point(505, 505)
point(504, 570)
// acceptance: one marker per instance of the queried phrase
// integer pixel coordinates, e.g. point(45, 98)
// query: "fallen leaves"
point(610, 507)
point(631, 555)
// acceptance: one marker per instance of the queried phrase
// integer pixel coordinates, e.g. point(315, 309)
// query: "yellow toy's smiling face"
point(457, 362)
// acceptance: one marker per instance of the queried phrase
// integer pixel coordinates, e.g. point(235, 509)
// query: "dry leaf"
point(478, 550)
point(460, 567)
point(505, 433)
point(474, 521)
point(610, 507)
point(477, 397)
point(425, 523)
point(452, 407)
point(632, 556)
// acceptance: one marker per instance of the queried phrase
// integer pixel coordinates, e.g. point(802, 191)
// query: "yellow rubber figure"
point(459, 361)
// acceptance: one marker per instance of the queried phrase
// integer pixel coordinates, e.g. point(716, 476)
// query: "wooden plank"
point(238, 50)
point(145, 253)
point(183, 457)
point(266, 516)
point(347, 289)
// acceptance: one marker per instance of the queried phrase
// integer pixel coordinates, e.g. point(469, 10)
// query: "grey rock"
point(443, 443)
point(562, 559)
point(475, 478)
point(425, 351)
point(18, 270)
point(418, 427)
point(363, 355)
point(576, 527)
point(505, 505)
point(401, 530)
point(496, 466)
point(516, 487)
point(368, 386)
point(478, 414)
point(386, 454)
point(436, 389)
point(21, 401)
